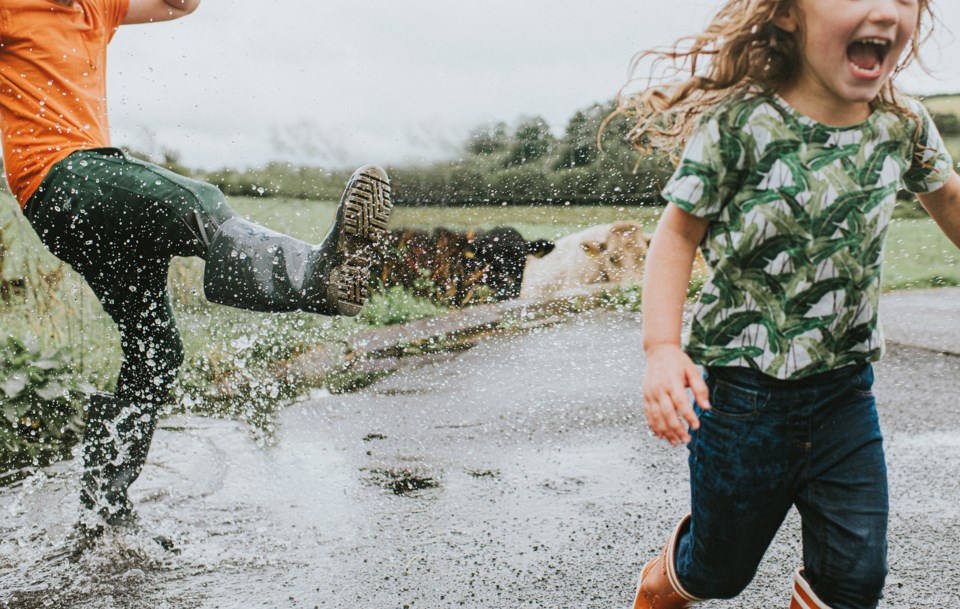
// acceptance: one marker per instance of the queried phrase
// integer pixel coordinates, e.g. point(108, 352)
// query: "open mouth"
point(866, 56)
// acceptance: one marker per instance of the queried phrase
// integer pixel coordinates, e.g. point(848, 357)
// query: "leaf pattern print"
point(797, 217)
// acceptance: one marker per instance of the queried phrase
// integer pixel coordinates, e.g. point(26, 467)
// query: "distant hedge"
point(520, 164)
point(523, 164)
point(948, 124)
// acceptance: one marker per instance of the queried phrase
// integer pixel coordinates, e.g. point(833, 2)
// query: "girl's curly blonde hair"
point(740, 49)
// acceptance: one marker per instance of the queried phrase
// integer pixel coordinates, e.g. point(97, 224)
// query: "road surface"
point(518, 473)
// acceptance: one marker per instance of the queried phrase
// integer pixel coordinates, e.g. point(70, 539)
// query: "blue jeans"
point(768, 444)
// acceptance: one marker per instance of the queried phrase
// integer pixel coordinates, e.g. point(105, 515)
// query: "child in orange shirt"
point(118, 221)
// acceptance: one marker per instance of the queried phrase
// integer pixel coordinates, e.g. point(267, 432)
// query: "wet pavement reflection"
point(518, 473)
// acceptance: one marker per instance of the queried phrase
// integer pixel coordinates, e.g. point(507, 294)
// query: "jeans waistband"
point(749, 376)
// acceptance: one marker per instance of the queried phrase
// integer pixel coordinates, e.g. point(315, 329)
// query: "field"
point(224, 345)
point(946, 104)
point(309, 219)
point(918, 254)
point(233, 364)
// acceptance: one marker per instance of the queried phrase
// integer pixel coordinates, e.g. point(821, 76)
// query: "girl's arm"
point(152, 11)
point(943, 205)
point(669, 370)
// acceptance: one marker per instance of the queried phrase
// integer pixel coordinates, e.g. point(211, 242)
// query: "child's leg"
point(844, 502)
point(743, 461)
point(251, 267)
point(118, 221)
point(149, 338)
point(138, 206)
point(120, 427)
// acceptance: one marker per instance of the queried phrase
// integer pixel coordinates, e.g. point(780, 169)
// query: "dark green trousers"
point(118, 221)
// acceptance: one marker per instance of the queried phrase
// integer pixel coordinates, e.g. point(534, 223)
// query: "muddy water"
point(518, 473)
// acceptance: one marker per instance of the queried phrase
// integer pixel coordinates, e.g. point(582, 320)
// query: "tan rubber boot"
point(659, 587)
point(803, 595)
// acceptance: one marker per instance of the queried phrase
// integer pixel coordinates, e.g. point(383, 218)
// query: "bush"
point(947, 124)
point(44, 403)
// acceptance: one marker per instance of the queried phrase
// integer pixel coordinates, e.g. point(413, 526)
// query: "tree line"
point(524, 163)
point(502, 164)
point(499, 164)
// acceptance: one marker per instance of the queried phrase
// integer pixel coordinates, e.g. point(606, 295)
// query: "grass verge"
point(235, 359)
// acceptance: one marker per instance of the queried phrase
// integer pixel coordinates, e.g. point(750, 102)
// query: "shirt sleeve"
point(931, 165)
point(114, 12)
point(708, 173)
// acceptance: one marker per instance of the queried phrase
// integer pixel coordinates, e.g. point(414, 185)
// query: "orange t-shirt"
point(52, 83)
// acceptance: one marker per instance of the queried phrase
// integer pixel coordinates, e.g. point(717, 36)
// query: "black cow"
point(500, 254)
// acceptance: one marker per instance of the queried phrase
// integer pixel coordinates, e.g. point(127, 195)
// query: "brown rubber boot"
point(803, 595)
point(659, 587)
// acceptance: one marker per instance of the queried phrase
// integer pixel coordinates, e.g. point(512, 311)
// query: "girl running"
point(795, 144)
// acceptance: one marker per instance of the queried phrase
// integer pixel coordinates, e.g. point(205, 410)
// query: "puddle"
point(484, 473)
point(249, 522)
point(401, 481)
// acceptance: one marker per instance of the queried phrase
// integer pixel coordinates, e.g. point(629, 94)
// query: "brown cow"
point(457, 268)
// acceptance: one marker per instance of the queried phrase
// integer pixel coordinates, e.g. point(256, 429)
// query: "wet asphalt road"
point(518, 473)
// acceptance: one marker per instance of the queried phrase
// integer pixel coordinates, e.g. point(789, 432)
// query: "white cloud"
point(388, 81)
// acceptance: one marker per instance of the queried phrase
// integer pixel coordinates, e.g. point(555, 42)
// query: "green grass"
point(953, 145)
point(221, 342)
point(945, 104)
point(919, 255)
point(546, 222)
point(309, 219)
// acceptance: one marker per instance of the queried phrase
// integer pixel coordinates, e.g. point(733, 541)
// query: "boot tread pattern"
point(353, 286)
point(366, 211)
point(367, 208)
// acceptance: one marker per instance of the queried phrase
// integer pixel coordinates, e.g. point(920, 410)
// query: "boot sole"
point(365, 209)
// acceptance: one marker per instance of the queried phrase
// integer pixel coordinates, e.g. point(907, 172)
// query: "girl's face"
point(849, 48)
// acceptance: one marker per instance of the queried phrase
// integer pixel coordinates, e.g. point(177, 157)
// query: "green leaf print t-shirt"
point(798, 213)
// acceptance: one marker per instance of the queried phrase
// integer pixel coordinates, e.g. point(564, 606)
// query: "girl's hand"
point(669, 372)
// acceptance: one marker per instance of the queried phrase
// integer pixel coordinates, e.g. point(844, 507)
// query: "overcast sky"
point(341, 82)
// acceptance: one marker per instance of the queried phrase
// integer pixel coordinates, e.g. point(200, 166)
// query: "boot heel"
point(659, 587)
point(349, 284)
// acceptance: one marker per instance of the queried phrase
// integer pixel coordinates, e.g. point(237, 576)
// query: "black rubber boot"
point(115, 446)
point(251, 267)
